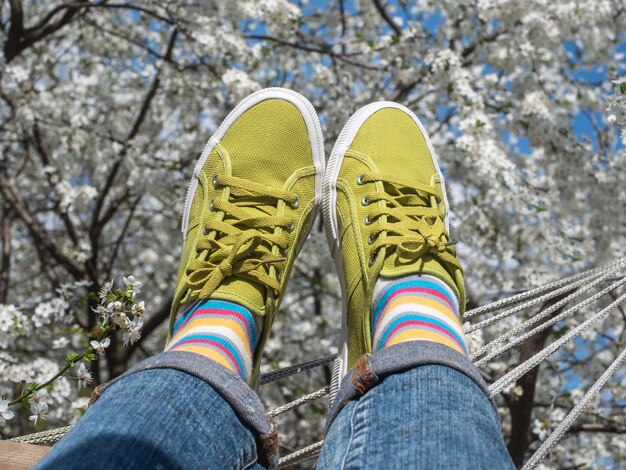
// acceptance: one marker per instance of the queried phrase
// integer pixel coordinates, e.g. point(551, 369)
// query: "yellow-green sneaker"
point(386, 214)
point(251, 203)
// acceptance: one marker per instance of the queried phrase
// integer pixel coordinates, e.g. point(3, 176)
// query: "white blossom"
point(239, 83)
point(100, 346)
point(23, 378)
point(13, 324)
point(131, 281)
point(105, 289)
point(5, 412)
point(540, 429)
point(104, 312)
point(60, 343)
point(83, 375)
point(39, 396)
point(38, 410)
point(133, 331)
point(139, 309)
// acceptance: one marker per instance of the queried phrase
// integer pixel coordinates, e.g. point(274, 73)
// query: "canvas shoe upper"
point(386, 214)
point(250, 205)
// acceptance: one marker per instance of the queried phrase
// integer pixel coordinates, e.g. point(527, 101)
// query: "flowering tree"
point(105, 106)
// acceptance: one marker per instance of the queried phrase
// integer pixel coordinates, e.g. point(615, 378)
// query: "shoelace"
point(238, 243)
point(411, 222)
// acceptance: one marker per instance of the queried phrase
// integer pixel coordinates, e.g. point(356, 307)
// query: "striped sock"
point(414, 308)
point(222, 331)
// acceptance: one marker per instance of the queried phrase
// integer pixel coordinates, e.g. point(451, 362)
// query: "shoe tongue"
point(250, 295)
point(243, 292)
point(393, 267)
point(428, 264)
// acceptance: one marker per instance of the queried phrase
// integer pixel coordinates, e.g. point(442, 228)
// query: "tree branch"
point(120, 35)
point(96, 222)
point(20, 38)
point(593, 427)
point(402, 90)
point(16, 30)
point(119, 240)
point(36, 231)
point(321, 49)
point(388, 19)
point(45, 160)
point(466, 52)
point(5, 263)
point(342, 15)
point(147, 11)
point(24, 38)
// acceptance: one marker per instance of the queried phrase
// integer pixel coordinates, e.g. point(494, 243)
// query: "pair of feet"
point(253, 198)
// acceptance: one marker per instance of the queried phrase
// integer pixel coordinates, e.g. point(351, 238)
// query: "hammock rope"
point(292, 370)
point(531, 303)
point(512, 376)
point(44, 437)
point(515, 299)
point(539, 328)
point(553, 439)
point(322, 392)
point(569, 289)
point(305, 453)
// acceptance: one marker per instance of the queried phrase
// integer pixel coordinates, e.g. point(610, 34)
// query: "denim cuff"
point(243, 400)
point(371, 369)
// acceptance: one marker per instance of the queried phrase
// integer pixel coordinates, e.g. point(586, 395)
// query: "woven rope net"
point(590, 296)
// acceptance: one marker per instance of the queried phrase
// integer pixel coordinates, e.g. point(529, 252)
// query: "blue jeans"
point(167, 413)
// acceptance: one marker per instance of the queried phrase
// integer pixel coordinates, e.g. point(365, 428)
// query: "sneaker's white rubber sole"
point(331, 226)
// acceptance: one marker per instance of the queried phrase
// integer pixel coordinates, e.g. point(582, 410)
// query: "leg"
point(429, 417)
point(405, 394)
point(160, 418)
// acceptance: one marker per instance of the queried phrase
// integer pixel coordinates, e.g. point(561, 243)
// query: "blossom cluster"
point(116, 308)
point(617, 106)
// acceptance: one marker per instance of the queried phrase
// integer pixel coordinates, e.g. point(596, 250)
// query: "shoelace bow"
point(414, 223)
point(238, 243)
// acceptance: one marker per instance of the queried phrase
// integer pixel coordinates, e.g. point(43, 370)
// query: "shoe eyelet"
point(367, 220)
point(211, 205)
point(291, 227)
point(278, 275)
point(214, 182)
point(372, 259)
point(284, 251)
point(371, 238)
point(205, 231)
point(364, 201)
point(359, 180)
point(296, 203)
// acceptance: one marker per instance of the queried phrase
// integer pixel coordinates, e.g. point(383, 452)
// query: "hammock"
point(568, 291)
